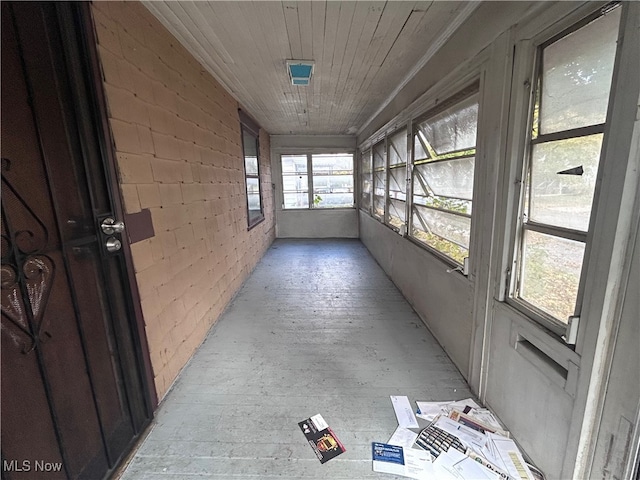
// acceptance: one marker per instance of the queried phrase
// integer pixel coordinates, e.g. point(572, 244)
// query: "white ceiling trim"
point(464, 14)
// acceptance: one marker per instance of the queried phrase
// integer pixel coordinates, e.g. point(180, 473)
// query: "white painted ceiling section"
point(364, 53)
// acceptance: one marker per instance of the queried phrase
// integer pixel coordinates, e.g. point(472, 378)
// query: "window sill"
point(255, 223)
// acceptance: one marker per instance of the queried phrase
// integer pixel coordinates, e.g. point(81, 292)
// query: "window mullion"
point(567, 134)
point(567, 233)
point(310, 181)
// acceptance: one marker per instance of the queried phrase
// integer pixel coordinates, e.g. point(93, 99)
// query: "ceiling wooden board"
point(363, 51)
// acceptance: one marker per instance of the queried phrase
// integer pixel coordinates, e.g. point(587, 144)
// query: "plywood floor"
point(317, 328)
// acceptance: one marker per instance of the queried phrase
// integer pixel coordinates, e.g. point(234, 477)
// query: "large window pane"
point(379, 180)
point(454, 228)
point(451, 178)
point(296, 200)
point(252, 176)
point(378, 156)
point(398, 183)
point(398, 148)
point(420, 231)
point(333, 200)
point(550, 274)
point(442, 183)
point(560, 199)
point(397, 213)
point(576, 76)
point(294, 164)
point(332, 183)
point(453, 130)
point(332, 163)
point(253, 198)
point(332, 180)
point(366, 180)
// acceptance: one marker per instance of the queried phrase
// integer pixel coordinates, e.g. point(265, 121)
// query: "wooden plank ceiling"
point(363, 51)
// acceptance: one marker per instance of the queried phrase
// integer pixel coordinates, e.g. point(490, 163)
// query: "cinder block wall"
point(179, 154)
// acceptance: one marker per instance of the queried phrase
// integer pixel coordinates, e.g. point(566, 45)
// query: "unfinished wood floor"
point(317, 328)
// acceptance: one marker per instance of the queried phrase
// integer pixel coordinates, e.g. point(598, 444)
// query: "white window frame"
point(365, 158)
point(309, 154)
point(526, 65)
point(473, 89)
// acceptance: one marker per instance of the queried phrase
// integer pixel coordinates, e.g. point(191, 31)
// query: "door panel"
point(72, 389)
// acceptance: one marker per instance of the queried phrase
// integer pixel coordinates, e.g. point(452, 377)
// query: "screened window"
point(443, 170)
point(379, 180)
point(252, 176)
point(397, 186)
point(318, 180)
point(571, 96)
point(295, 181)
point(366, 180)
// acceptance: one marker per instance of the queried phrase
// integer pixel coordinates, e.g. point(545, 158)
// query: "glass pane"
point(332, 163)
point(379, 183)
point(254, 201)
point(421, 232)
point(454, 129)
point(249, 144)
point(251, 165)
point(453, 178)
point(253, 186)
point(398, 148)
point(550, 274)
point(446, 225)
point(333, 200)
point(294, 164)
point(295, 183)
point(396, 213)
point(254, 216)
point(378, 155)
point(576, 76)
point(419, 152)
point(296, 200)
point(397, 182)
point(365, 162)
point(378, 206)
point(333, 184)
point(564, 200)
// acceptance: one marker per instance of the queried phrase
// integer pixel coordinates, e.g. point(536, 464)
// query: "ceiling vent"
point(300, 71)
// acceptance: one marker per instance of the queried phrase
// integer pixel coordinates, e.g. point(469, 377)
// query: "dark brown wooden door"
point(73, 393)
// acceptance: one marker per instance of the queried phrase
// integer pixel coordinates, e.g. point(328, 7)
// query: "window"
point(366, 180)
point(379, 180)
point(443, 169)
point(317, 180)
point(295, 181)
point(397, 186)
point(252, 176)
point(570, 101)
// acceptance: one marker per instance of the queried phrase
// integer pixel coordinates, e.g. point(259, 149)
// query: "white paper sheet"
point(430, 410)
point(404, 412)
point(403, 437)
point(504, 453)
point(460, 467)
point(319, 422)
point(471, 438)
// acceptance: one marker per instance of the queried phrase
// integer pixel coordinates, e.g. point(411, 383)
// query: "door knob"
point(109, 226)
point(113, 244)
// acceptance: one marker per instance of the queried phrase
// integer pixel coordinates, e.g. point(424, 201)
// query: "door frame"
point(87, 65)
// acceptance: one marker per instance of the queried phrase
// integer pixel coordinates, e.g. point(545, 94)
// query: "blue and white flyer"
point(408, 462)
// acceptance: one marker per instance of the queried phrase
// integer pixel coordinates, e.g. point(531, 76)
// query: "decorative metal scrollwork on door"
point(27, 273)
